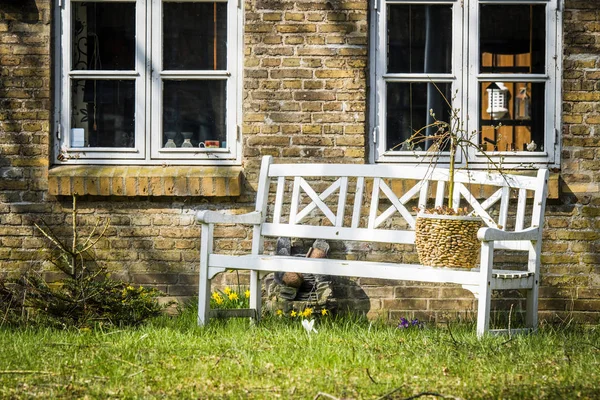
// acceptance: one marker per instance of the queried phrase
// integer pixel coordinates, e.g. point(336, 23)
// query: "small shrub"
point(86, 296)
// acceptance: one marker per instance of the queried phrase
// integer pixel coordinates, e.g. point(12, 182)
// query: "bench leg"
point(531, 311)
point(255, 294)
point(204, 282)
point(485, 288)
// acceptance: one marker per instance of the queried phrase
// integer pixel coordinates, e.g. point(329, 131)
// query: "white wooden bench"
point(373, 203)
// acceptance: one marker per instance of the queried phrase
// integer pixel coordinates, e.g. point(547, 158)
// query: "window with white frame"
point(496, 61)
point(149, 81)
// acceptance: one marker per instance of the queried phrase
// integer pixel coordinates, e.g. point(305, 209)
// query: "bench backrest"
point(376, 202)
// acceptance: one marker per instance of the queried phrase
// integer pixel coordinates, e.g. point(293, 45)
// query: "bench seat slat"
point(339, 233)
point(501, 279)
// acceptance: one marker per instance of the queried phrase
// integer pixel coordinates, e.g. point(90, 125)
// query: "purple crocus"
point(403, 323)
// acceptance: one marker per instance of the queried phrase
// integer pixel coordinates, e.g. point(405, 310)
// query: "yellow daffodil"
point(216, 295)
point(233, 296)
point(219, 300)
point(227, 290)
point(279, 313)
point(307, 312)
point(293, 313)
point(247, 293)
point(324, 311)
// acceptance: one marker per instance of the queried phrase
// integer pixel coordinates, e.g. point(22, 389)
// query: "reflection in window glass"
point(103, 36)
point(194, 36)
point(193, 112)
point(512, 38)
point(103, 112)
point(520, 124)
point(408, 110)
point(419, 38)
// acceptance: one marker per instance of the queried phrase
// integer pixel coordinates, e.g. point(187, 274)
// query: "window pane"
point(512, 116)
point(103, 113)
point(194, 36)
point(408, 110)
point(512, 38)
point(193, 113)
point(103, 36)
point(419, 38)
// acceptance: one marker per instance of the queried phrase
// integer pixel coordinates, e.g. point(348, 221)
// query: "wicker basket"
point(447, 240)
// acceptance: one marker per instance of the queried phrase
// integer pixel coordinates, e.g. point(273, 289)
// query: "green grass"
point(348, 358)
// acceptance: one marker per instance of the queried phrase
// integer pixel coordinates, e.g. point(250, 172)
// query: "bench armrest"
point(217, 217)
point(489, 234)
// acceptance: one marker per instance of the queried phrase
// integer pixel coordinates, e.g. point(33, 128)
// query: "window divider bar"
point(201, 74)
point(77, 74)
point(513, 77)
point(418, 78)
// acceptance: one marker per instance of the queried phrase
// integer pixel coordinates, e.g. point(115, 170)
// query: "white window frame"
point(465, 79)
point(148, 76)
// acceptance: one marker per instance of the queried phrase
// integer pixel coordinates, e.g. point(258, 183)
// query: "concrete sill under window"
point(145, 180)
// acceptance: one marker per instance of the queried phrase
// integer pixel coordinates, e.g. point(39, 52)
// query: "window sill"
point(97, 180)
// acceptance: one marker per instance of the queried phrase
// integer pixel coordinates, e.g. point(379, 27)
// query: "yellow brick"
point(156, 186)
point(65, 185)
point(131, 186)
point(53, 185)
point(104, 186)
point(206, 186)
point(117, 186)
point(180, 188)
point(194, 186)
point(169, 185)
point(78, 185)
point(220, 187)
point(142, 186)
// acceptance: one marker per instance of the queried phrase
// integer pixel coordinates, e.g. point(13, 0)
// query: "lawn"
point(347, 358)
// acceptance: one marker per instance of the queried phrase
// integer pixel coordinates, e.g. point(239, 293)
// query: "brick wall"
point(305, 99)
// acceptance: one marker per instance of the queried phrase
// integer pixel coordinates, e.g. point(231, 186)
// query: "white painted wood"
point(339, 217)
point(374, 203)
point(440, 190)
point(477, 208)
point(206, 248)
point(485, 287)
point(489, 234)
point(216, 217)
point(339, 233)
point(295, 200)
point(398, 204)
point(317, 201)
point(479, 281)
point(504, 203)
point(521, 203)
point(423, 194)
point(363, 269)
point(358, 197)
point(279, 199)
point(539, 198)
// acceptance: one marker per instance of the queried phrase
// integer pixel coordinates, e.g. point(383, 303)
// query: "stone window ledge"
point(97, 180)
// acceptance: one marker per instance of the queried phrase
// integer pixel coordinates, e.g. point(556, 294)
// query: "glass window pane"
point(408, 111)
point(103, 36)
point(512, 116)
point(194, 36)
point(512, 38)
point(419, 38)
point(194, 113)
point(103, 113)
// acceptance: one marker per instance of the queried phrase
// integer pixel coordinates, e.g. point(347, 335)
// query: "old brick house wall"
point(305, 99)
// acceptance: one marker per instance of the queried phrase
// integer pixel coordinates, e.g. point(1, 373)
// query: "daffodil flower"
point(324, 312)
point(247, 294)
point(293, 313)
point(227, 290)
